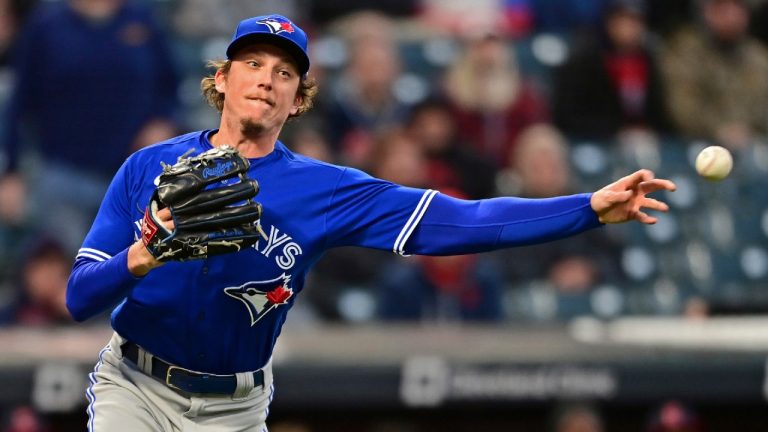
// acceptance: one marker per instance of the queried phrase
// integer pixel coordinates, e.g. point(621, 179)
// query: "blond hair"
point(307, 88)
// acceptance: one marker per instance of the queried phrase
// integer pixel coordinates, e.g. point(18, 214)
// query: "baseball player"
point(193, 339)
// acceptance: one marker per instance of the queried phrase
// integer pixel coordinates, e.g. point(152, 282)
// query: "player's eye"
point(252, 63)
point(285, 73)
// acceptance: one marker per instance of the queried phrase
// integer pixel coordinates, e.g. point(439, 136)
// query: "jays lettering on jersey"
point(224, 314)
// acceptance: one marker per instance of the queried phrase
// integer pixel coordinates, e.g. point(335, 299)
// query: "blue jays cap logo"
point(260, 297)
point(274, 29)
point(277, 26)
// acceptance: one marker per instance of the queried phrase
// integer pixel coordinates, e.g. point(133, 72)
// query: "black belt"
point(187, 380)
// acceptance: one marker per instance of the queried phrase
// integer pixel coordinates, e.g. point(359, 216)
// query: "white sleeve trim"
point(93, 254)
point(413, 221)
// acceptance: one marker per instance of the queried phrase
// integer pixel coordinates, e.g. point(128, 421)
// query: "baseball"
point(714, 163)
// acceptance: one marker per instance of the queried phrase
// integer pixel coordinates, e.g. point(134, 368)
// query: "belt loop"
point(117, 343)
point(267, 383)
point(145, 361)
point(244, 384)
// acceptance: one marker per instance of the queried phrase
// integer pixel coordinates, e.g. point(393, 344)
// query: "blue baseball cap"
point(273, 29)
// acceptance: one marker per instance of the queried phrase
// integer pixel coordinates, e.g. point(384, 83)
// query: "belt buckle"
point(168, 377)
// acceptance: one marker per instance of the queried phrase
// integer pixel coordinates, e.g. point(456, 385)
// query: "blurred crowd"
point(481, 98)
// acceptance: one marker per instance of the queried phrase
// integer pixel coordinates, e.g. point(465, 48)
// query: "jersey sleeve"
point(373, 213)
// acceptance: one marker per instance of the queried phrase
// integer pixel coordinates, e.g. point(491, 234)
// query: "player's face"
point(260, 88)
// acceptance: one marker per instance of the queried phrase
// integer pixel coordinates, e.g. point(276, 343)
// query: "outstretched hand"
point(625, 199)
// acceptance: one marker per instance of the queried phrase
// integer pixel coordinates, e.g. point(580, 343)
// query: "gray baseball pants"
point(122, 397)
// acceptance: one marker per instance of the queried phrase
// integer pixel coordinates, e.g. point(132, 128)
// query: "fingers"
point(637, 177)
point(654, 185)
point(626, 199)
point(167, 218)
point(164, 214)
point(654, 204)
point(613, 197)
point(645, 218)
point(651, 203)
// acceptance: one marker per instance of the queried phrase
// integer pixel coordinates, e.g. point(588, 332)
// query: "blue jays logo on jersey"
point(260, 297)
point(277, 26)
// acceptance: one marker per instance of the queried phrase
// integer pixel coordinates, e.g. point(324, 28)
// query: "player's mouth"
point(262, 100)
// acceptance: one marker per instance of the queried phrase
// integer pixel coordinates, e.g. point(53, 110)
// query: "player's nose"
point(264, 79)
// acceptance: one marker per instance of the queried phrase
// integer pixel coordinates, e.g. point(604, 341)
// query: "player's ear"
point(296, 104)
point(221, 81)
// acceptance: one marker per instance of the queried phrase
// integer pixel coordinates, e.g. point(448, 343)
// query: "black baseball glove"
point(209, 218)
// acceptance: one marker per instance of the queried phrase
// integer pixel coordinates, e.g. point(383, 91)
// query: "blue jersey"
point(223, 314)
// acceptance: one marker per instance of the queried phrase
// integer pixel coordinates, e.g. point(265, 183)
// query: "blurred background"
point(625, 328)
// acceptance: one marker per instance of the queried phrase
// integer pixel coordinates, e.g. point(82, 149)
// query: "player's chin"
point(252, 127)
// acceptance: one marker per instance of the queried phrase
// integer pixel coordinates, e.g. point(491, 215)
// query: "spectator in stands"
point(216, 18)
point(453, 288)
point(448, 288)
point(12, 16)
point(13, 237)
point(760, 21)
point(25, 419)
point(450, 163)
point(511, 18)
point(44, 273)
point(325, 12)
point(674, 416)
point(716, 76)
point(666, 17)
point(568, 271)
point(611, 82)
point(309, 141)
point(696, 308)
point(577, 417)
point(7, 29)
point(93, 82)
point(492, 102)
point(364, 102)
point(290, 426)
point(398, 159)
point(566, 16)
point(441, 288)
point(540, 166)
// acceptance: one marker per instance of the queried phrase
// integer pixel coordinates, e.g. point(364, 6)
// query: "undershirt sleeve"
point(453, 226)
